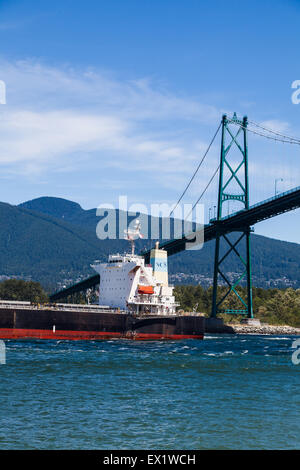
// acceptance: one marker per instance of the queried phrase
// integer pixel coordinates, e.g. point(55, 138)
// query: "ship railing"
point(59, 307)
point(14, 302)
point(146, 299)
point(154, 300)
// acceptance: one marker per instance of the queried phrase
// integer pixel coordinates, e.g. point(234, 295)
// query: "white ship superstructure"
point(127, 283)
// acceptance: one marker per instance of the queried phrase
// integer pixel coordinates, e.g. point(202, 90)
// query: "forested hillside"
point(53, 241)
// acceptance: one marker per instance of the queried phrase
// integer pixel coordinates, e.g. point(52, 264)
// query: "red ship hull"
point(88, 335)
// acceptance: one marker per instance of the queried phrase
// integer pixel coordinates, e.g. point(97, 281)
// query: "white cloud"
point(38, 85)
point(37, 136)
point(53, 113)
point(62, 119)
point(276, 125)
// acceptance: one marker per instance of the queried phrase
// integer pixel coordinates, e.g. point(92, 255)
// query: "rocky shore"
point(249, 326)
point(264, 329)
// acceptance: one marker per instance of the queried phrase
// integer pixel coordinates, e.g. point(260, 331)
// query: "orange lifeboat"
point(145, 290)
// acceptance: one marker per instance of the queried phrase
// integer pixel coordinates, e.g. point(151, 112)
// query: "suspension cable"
point(274, 132)
point(277, 139)
point(196, 171)
point(280, 138)
point(285, 139)
point(203, 192)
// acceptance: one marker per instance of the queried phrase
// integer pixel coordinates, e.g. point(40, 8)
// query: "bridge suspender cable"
point(196, 171)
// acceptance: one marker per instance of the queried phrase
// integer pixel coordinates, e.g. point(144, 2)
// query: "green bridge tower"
point(227, 177)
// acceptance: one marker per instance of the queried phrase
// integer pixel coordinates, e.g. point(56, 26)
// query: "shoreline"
point(217, 325)
point(266, 329)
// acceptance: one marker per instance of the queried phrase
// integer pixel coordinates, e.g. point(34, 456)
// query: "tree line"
point(273, 306)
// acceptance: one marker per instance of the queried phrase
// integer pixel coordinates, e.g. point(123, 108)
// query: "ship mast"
point(132, 234)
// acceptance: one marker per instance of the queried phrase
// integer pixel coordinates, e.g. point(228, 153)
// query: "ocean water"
point(226, 392)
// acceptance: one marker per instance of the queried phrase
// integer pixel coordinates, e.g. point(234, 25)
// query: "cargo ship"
point(135, 302)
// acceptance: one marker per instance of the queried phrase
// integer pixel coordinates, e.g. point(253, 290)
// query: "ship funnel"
point(159, 263)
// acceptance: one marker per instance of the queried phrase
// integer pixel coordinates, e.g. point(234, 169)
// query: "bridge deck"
point(276, 205)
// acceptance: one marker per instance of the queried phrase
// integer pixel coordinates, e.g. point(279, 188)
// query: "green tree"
point(17, 289)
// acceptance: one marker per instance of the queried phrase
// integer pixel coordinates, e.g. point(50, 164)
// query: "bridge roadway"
point(283, 202)
point(272, 207)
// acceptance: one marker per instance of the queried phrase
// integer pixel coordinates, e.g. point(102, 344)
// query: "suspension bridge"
point(234, 134)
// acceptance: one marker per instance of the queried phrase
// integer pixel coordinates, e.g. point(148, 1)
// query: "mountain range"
point(53, 241)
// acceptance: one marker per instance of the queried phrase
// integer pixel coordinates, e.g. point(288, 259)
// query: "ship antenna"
point(132, 234)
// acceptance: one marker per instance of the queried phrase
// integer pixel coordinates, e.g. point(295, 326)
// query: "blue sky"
point(122, 98)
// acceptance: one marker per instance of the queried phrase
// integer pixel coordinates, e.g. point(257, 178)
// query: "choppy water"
point(226, 392)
